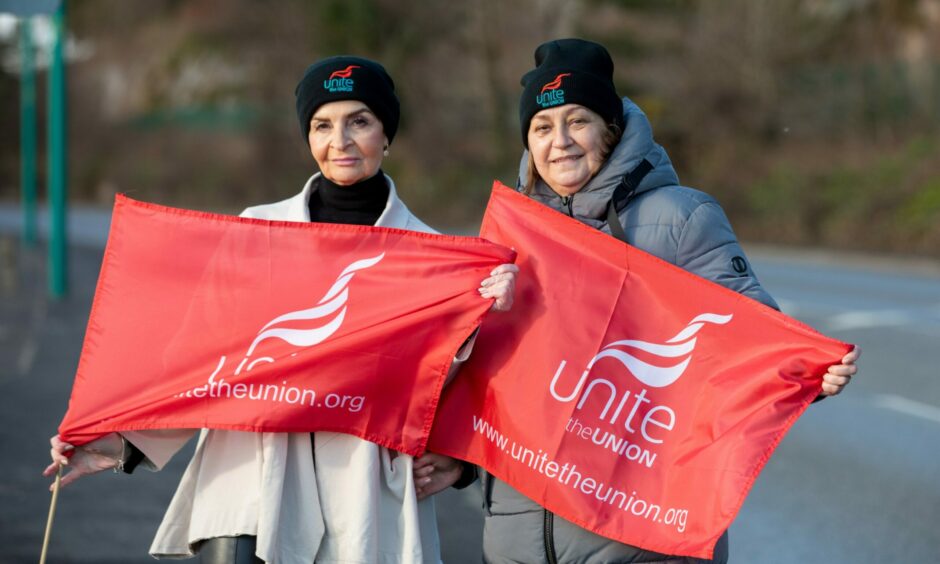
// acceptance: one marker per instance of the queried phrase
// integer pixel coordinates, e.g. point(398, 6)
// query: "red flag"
point(623, 393)
point(203, 320)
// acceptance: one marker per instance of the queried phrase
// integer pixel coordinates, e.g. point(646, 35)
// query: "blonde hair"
point(609, 138)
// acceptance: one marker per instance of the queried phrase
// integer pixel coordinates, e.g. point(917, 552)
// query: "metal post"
point(57, 161)
point(27, 132)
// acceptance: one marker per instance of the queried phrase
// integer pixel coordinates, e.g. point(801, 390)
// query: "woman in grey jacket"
point(591, 155)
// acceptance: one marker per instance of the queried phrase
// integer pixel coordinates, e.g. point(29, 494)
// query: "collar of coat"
point(395, 213)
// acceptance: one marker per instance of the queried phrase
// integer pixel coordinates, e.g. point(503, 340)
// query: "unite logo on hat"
point(552, 94)
point(339, 81)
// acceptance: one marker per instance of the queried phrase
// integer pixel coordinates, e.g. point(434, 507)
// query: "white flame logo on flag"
point(681, 345)
point(334, 300)
point(653, 422)
point(651, 375)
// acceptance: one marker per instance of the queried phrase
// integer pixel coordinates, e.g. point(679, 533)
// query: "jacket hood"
point(636, 144)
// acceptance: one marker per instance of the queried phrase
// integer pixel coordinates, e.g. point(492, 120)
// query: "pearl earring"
point(385, 151)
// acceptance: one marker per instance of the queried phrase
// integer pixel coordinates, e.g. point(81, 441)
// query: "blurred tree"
point(787, 110)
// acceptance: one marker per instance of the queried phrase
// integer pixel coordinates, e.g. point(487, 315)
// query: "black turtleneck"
point(359, 204)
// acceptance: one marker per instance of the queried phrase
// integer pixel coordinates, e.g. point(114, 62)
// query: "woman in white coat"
point(296, 497)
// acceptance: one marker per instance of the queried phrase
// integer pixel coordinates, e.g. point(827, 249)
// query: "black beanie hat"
point(570, 71)
point(348, 78)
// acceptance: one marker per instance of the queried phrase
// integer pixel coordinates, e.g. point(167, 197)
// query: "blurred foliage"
point(813, 121)
point(889, 203)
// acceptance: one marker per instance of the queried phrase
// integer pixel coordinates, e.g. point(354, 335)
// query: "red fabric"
point(203, 320)
point(691, 388)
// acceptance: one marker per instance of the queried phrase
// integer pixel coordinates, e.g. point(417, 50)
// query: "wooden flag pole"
point(55, 496)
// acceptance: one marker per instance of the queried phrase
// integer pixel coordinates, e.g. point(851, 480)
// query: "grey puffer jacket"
point(677, 224)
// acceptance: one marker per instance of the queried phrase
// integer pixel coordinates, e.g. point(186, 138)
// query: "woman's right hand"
point(500, 286)
point(100, 454)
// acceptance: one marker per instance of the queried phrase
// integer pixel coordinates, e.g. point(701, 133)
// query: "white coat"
point(357, 504)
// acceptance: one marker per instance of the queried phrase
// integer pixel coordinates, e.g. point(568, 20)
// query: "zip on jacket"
point(548, 526)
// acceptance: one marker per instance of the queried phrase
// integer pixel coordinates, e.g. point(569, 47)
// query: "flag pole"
point(55, 496)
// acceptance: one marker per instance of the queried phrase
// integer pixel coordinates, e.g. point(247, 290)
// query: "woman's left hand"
point(500, 286)
point(434, 473)
point(839, 375)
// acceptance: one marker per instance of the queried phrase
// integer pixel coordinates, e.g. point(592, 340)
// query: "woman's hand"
point(434, 473)
point(839, 375)
point(105, 453)
point(500, 286)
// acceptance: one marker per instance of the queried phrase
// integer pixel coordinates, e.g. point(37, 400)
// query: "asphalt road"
point(858, 477)
point(856, 480)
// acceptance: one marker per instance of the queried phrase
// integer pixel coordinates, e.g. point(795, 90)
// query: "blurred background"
point(814, 122)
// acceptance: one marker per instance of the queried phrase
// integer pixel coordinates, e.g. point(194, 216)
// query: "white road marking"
point(908, 407)
point(869, 319)
point(923, 320)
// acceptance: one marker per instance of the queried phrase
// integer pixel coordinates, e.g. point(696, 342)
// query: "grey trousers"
point(229, 550)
